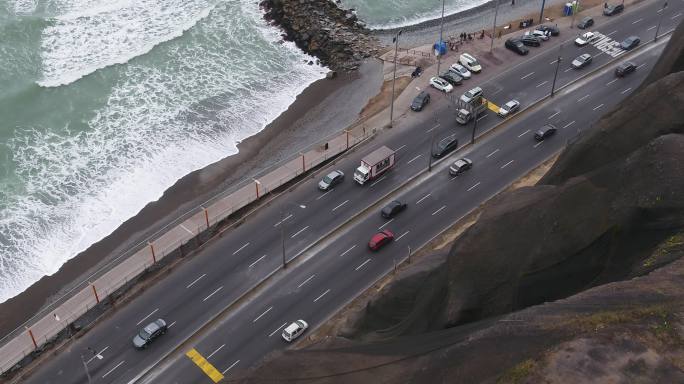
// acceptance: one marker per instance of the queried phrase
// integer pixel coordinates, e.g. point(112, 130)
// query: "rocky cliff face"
point(577, 279)
point(322, 29)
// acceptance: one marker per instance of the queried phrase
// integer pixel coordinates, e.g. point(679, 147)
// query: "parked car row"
point(532, 38)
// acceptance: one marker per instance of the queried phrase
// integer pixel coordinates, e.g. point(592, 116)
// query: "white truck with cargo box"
point(374, 164)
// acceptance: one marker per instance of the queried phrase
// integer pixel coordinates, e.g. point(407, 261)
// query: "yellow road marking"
point(204, 365)
point(493, 107)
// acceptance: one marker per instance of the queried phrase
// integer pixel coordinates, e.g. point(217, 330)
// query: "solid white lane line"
point(554, 115)
point(676, 16)
point(257, 260)
point(98, 354)
point(640, 65)
point(321, 196)
point(145, 318)
point(553, 62)
point(112, 370)
point(423, 198)
point(319, 297)
point(569, 124)
point(474, 186)
point(538, 144)
point(598, 106)
point(217, 349)
point(507, 164)
point(279, 328)
point(405, 233)
point(362, 264)
point(306, 281)
point(260, 316)
point(432, 129)
point(497, 150)
point(232, 365)
point(611, 33)
point(582, 98)
point(439, 210)
point(649, 28)
point(378, 180)
point(213, 293)
point(189, 231)
point(611, 82)
point(241, 248)
point(345, 202)
point(172, 324)
point(350, 248)
point(400, 148)
point(483, 116)
point(300, 231)
point(626, 90)
point(290, 215)
point(387, 222)
point(542, 83)
point(522, 134)
point(497, 91)
point(414, 159)
point(636, 21)
point(196, 280)
point(567, 70)
point(526, 76)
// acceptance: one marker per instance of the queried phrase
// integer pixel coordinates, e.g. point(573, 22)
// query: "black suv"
point(420, 101)
point(549, 28)
point(630, 42)
point(545, 132)
point(516, 46)
point(585, 23)
point(452, 78)
point(625, 69)
point(392, 209)
point(445, 146)
point(531, 41)
point(613, 9)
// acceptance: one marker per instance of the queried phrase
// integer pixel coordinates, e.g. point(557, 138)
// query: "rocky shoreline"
point(322, 29)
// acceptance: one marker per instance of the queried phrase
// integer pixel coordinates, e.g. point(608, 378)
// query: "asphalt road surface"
point(334, 272)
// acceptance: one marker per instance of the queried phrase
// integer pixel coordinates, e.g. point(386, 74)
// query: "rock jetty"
point(322, 29)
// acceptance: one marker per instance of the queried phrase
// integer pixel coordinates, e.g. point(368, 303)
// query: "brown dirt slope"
point(577, 279)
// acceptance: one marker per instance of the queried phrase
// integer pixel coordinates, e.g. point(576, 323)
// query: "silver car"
point(149, 333)
point(460, 70)
point(330, 180)
point(509, 108)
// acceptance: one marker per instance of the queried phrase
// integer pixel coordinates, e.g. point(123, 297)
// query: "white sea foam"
point(21, 7)
point(93, 34)
point(170, 114)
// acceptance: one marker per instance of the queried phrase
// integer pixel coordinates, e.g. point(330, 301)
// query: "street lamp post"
point(555, 74)
point(496, 12)
point(541, 12)
point(432, 145)
point(662, 12)
point(282, 229)
point(441, 29)
point(394, 75)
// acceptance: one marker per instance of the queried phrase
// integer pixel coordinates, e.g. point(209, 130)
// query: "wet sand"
point(325, 107)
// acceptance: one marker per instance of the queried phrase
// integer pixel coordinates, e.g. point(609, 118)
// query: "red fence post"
point(154, 257)
point(97, 298)
point(35, 345)
point(206, 217)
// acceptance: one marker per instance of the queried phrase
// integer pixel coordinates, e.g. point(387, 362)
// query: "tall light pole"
point(555, 74)
point(394, 75)
point(496, 12)
point(541, 12)
point(432, 145)
point(282, 229)
point(662, 12)
point(85, 366)
point(441, 29)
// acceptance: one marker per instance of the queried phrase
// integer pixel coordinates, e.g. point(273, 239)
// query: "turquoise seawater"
point(397, 13)
point(104, 104)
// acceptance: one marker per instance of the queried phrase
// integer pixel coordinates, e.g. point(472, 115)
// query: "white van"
point(294, 330)
point(470, 62)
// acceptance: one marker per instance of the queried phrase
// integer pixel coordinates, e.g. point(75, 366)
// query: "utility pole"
point(409, 254)
point(496, 12)
point(541, 13)
point(85, 366)
point(441, 29)
point(282, 235)
point(432, 145)
point(394, 75)
point(574, 12)
point(662, 12)
point(555, 74)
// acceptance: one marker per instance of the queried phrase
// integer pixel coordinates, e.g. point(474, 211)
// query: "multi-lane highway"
point(335, 271)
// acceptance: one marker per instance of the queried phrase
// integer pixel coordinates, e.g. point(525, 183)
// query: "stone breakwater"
point(322, 29)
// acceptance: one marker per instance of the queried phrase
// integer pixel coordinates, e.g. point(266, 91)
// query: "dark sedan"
point(517, 46)
point(445, 146)
point(545, 132)
point(420, 101)
point(613, 9)
point(630, 43)
point(549, 28)
point(625, 69)
point(392, 209)
point(585, 23)
point(149, 333)
point(531, 41)
point(452, 78)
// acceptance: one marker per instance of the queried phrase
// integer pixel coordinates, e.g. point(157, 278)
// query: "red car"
point(380, 239)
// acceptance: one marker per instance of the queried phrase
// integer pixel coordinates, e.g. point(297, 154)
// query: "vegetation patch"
point(518, 373)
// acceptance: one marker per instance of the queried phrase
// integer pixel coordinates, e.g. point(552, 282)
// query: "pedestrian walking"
point(605, 5)
point(499, 34)
point(512, 2)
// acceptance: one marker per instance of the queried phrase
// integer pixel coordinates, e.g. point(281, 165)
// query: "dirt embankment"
point(576, 279)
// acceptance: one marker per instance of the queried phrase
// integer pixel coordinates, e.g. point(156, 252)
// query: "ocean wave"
point(171, 113)
point(91, 35)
